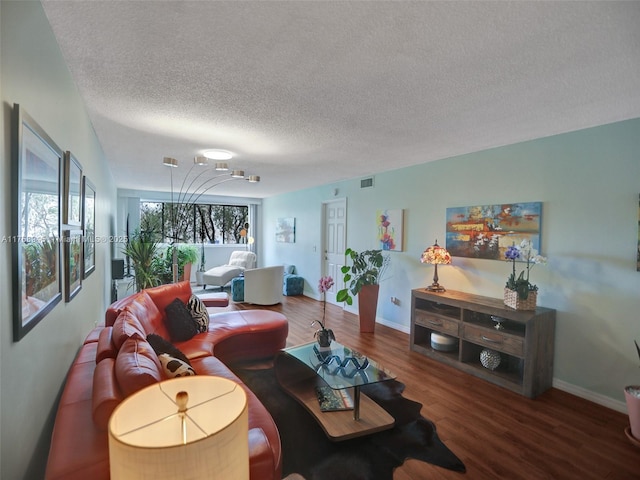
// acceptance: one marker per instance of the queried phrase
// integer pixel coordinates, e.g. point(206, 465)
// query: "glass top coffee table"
point(327, 381)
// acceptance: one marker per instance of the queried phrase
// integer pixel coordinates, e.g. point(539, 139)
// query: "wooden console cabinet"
point(525, 345)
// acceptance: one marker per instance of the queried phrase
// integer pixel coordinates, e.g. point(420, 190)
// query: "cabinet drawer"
point(503, 342)
point(439, 324)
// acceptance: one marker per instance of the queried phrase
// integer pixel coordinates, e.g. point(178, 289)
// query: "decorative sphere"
point(490, 358)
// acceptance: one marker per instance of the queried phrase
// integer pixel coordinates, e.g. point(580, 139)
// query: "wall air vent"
point(366, 182)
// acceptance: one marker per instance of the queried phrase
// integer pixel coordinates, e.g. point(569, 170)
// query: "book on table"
point(331, 400)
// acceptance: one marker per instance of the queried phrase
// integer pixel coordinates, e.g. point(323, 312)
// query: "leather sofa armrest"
point(106, 393)
point(261, 456)
point(106, 348)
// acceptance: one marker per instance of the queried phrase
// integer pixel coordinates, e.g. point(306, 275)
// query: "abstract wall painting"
point(286, 230)
point(486, 231)
point(390, 229)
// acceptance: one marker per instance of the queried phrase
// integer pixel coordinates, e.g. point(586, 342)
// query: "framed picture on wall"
point(390, 229)
point(286, 230)
point(486, 231)
point(35, 193)
point(72, 247)
point(72, 200)
point(89, 227)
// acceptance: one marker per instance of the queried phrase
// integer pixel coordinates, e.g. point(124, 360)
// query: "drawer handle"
point(437, 324)
point(491, 340)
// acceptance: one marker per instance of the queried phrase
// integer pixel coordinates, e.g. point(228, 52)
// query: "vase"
point(632, 397)
point(513, 300)
point(367, 307)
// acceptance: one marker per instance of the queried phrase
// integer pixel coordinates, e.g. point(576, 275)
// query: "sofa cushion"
point(199, 313)
point(126, 326)
point(137, 366)
point(174, 367)
point(179, 321)
point(148, 314)
point(160, 346)
point(165, 294)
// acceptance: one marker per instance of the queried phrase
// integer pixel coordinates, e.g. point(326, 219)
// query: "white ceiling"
point(307, 93)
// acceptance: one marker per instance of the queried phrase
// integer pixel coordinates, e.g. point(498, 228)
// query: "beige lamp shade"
point(158, 434)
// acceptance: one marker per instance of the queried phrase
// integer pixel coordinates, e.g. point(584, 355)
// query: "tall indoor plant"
point(141, 249)
point(632, 396)
point(362, 278)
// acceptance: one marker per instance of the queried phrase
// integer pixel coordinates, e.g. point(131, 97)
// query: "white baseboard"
point(603, 400)
point(395, 326)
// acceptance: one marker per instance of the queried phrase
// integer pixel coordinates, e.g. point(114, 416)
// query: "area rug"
point(307, 450)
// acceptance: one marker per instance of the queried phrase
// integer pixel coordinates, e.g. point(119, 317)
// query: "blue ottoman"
point(237, 289)
point(292, 284)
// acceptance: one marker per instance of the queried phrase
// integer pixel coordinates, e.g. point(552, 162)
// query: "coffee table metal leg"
point(356, 402)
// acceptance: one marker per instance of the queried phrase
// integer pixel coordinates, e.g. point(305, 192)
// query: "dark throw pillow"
point(180, 322)
point(199, 313)
point(160, 346)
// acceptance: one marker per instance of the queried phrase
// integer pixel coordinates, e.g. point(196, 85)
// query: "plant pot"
point(187, 272)
point(632, 395)
point(324, 337)
point(367, 307)
point(200, 278)
point(513, 300)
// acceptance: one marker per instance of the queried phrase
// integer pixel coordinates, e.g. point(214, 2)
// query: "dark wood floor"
point(496, 433)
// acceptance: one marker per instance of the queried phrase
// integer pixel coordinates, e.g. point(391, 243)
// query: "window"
point(194, 223)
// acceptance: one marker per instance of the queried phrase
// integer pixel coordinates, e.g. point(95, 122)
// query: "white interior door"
point(334, 243)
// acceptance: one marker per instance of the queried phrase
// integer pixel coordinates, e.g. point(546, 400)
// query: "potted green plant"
point(362, 278)
point(632, 396)
point(519, 292)
point(186, 255)
point(141, 249)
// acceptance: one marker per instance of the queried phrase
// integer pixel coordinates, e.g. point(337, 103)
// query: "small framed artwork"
point(286, 230)
point(89, 224)
point(35, 219)
point(390, 232)
point(72, 243)
point(72, 200)
point(486, 231)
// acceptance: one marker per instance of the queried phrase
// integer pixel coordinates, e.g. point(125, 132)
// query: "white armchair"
point(239, 261)
point(263, 286)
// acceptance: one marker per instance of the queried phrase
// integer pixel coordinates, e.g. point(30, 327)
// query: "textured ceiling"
point(312, 92)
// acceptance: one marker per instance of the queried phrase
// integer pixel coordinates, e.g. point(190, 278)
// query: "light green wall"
point(589, 183)
point(32, 371)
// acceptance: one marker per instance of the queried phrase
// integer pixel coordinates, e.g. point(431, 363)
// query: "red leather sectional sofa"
point(116, 360)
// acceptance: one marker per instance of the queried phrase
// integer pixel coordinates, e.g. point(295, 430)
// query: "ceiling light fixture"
point(192, 188)
point(170, 162)
point(216, 154)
